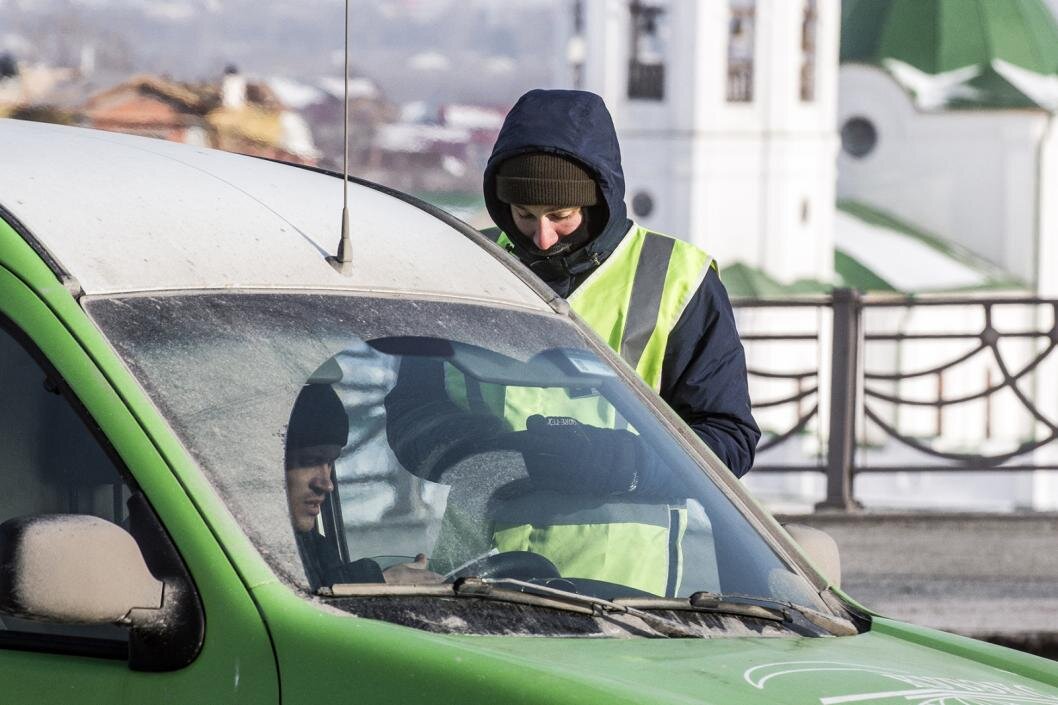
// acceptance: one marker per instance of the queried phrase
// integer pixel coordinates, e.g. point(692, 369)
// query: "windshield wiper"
point(643, 608)
point(744, 606)
point(529, 594)
point(599, 605)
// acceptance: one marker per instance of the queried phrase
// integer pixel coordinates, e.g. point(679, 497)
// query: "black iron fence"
point(904, 384)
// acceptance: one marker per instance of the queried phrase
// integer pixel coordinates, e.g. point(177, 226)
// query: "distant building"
point(429, 149)
point(725, 112)
point(483, 125)
point(250, 119)
point(929, 166)
point(235, 115)
point(947, 121)
point(319, 102)
point(153, 107)
point(22, 85)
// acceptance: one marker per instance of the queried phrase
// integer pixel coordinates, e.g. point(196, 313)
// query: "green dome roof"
point(937, 36)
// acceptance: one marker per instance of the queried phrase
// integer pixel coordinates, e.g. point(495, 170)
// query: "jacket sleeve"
point(423, 424)
point(703, 376)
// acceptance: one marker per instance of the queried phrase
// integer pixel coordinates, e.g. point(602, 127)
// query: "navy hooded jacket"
point(703, 376)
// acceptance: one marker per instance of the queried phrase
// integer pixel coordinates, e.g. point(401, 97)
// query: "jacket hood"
point(574, 124)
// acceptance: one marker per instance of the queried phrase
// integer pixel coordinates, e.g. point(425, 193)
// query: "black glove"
point(565, 455)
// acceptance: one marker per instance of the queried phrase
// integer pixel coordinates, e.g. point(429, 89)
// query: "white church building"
point(726, 115)
point(917, 158)
point(949, 124)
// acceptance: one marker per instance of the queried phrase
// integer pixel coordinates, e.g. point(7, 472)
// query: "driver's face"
point(310, 478)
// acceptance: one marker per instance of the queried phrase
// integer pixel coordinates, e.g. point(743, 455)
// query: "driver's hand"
point(414, 573)
point(565, 455)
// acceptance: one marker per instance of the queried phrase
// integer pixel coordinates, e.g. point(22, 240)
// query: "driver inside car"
point(596, 501)
point(317, 432)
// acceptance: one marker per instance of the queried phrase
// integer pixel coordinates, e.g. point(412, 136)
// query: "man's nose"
point(545, 235)
point(323, 481)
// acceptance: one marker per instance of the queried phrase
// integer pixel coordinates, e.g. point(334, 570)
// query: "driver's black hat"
point(317, 419)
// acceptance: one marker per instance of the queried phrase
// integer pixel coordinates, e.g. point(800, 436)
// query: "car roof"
point(121, 213)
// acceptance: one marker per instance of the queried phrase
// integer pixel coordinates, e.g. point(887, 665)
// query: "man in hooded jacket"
point(554, 186)
point(600, 503)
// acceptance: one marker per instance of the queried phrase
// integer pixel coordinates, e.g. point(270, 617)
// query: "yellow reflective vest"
point(632, 301)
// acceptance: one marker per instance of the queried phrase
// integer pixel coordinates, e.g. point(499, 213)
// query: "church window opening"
point(646, 65)
point(575, 49)
point(809, 25)
point(740, 41)
point(858, 137)
point(642, 204)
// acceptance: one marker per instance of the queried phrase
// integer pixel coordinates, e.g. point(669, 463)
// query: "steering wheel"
point(517, 565)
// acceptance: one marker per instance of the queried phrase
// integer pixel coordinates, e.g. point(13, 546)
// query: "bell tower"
point(726, 114)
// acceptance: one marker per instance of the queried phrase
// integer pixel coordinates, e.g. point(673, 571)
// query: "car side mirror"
point(820, 548)
point(73, 569)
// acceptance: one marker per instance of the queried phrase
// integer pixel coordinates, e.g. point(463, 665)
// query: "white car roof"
point(126, 214)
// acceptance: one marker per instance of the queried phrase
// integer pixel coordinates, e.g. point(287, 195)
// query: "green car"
point(234, 473)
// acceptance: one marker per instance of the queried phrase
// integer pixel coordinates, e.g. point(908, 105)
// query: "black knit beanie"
point(544, 179)
point(317, 419)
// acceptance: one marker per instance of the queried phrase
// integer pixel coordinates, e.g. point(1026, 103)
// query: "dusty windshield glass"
point(377, 440)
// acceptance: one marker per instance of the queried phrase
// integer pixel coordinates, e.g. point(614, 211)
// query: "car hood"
point(893, 663)
point(879, 667)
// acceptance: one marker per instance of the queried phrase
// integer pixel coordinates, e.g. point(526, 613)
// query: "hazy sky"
point(485, 50)
point(440, 50)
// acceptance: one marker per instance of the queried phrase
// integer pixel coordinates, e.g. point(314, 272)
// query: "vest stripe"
point(675, 538)
point(645, 302)
point(632, 301)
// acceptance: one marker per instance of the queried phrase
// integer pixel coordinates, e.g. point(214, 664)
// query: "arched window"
point(646, 64)
point(575, 47)
point(809, 25)
point(740, 49)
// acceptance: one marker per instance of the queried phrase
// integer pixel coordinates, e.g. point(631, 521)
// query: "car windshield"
point(380, 441)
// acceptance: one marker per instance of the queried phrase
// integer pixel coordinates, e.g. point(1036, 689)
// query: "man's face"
point(310, 478)
point(546, 225)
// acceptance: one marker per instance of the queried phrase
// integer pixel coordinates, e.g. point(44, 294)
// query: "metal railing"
point(864, 405)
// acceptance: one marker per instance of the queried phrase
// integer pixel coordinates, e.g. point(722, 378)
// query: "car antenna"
point(343, 261)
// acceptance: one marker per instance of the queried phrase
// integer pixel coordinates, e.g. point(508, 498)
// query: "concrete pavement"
point(989, 576)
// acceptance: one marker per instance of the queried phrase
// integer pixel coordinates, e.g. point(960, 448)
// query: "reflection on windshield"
point(562, 482)
point(423, 441)
point(316, 433)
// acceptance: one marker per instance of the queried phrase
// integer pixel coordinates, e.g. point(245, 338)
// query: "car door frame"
point(236, 663)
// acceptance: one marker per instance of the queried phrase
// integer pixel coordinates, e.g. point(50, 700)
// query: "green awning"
point(875, 251)
point(940, 36)
point(748, 282)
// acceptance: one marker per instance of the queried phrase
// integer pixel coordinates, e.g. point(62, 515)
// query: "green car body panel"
point(265, 642)
point(236, 656)
point(397, 664)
